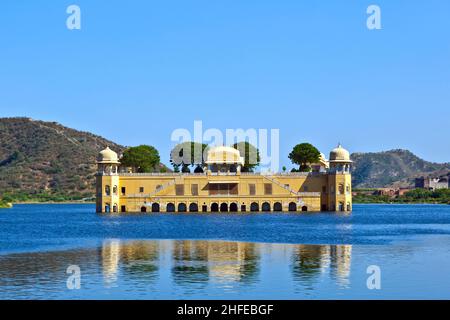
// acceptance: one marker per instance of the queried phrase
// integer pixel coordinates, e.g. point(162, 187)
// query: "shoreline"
point(54, 202)
point(6, 205)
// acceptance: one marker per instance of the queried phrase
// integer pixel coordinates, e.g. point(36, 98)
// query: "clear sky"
point(137, 70)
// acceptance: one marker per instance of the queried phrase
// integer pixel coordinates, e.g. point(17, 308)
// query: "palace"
point(224, 188)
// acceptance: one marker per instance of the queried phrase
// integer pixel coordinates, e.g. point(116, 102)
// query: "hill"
point(394, 168)
point(45, 160)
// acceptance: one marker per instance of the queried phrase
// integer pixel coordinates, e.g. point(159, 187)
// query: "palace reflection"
point(197, 263)
point(311, 261)
point(193, 262)
point(201, 261)
point(137, 259)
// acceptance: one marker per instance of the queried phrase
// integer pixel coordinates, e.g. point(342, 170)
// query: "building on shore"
point(433, 183)
point(224, 188)
point(391, 192)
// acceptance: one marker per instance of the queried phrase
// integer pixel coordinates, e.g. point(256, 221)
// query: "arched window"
point(304, 208)
point(233, 207)
point(108, 190)
point(292, 207)
point(214, 207)
point(115, 207)
point(182, 207)
point(170, 207)
point(115, 190)
point(107, 208)
point(278, 207)
point(254, 207)
point(224, 207)
point(155, 207)
point(143, 209)
point(341, 189)
point(266, 207)
point(193, 207)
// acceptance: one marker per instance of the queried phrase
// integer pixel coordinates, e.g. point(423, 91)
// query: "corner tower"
point(340, 180)
point(107, 185)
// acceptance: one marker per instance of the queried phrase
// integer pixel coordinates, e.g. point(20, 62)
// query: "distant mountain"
point(46, 157)
point(394, 168)
point(39, 157)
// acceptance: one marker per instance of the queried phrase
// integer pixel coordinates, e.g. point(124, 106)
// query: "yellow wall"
point(312, 187)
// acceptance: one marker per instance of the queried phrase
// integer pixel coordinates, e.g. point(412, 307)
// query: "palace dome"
point(224, 155)
point(107, 156)
point(339, 154)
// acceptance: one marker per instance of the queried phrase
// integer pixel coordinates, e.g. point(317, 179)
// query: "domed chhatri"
point(107, 156)
point(223, 187)
point(224, 155)
point(224, 159)
point(340, 154)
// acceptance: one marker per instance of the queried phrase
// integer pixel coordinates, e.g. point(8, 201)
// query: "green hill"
point(397, 168)
point(47, 161)
point(43, 161)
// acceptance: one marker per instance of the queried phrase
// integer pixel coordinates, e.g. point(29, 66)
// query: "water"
point(226, 256)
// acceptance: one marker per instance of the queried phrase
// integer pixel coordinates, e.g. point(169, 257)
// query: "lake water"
point(225, 256)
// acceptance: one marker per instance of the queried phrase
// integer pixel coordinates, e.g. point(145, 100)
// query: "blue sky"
point(137, 70)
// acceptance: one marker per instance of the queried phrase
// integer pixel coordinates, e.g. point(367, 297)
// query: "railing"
point(309, 194)
point(301, 174)
point(150, 174)
point(179, 174)
point(285, 174)
point(155, 197)
point(281, 185)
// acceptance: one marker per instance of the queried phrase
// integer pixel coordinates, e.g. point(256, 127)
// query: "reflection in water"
point(110, 261)
point(41, 273)
point(190, 263)
point(201, 261)
point(233, 261)
point(341, 259)
point(139, 259)
point(309, 262)
point(173, 268)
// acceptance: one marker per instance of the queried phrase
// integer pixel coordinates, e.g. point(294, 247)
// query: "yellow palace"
point(224, 188)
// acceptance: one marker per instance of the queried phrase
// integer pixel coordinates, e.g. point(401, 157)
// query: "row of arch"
point(224, 207)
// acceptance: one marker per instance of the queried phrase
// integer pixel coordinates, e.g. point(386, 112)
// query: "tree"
point(188, 154)
point(143, 158)
point(251, 154)
point(303, 155)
